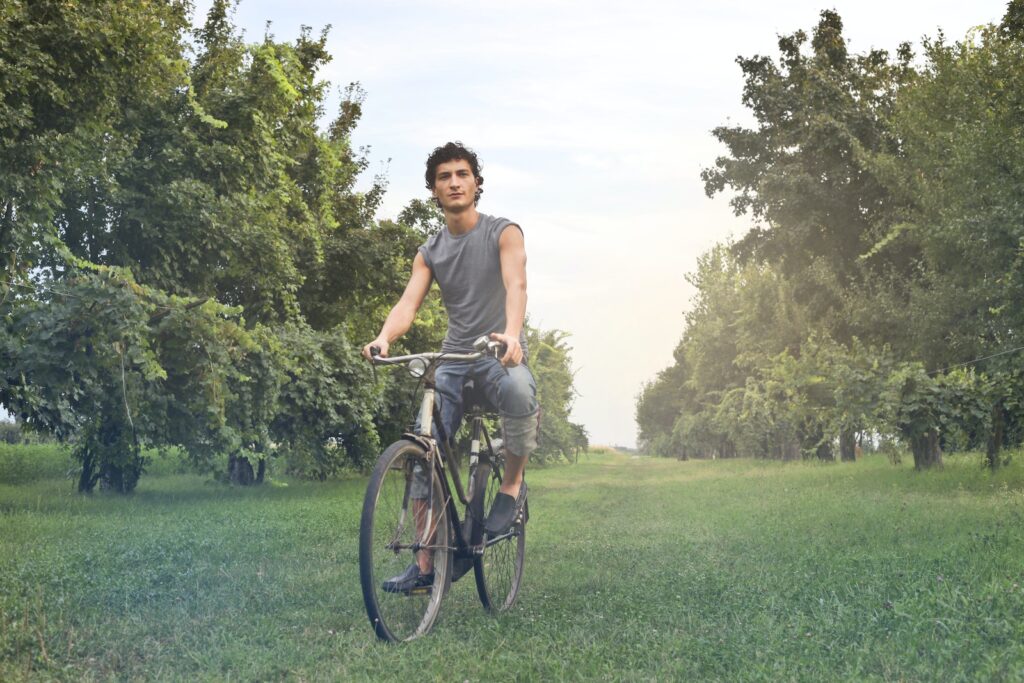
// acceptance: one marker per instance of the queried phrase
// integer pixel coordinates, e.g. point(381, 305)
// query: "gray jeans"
point(512, 391)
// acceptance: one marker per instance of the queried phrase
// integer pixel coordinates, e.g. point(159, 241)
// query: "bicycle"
point(410, 508)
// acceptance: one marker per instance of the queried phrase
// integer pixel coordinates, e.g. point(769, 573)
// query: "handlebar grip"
point(374, 351)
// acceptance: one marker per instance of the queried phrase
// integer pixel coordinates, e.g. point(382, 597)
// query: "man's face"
point(455, 185)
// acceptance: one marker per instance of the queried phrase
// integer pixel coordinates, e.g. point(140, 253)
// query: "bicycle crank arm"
point(479, 550)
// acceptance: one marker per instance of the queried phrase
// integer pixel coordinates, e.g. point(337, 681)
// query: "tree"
point(551, 363)
point(153, 177)
point(885, 257)
point(110, 367)
point(804, 173)
point(960, 173)
point(658, 407)
point(742, 316)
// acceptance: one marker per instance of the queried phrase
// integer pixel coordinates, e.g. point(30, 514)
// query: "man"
point(479, 263)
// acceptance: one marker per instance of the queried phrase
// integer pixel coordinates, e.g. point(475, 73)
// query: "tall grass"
point(637, 568)
point(25, 463)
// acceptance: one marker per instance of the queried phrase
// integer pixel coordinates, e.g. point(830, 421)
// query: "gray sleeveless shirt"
point(467, 268)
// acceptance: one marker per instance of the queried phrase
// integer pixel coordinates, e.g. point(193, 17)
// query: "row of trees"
point(187, 261)
point(886, 257)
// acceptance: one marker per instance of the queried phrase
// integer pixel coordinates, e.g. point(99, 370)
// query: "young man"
point(479, 262)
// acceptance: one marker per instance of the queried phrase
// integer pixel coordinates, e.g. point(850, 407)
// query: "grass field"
point(637, 569)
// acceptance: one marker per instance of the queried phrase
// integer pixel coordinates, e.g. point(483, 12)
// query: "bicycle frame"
point(442, 458)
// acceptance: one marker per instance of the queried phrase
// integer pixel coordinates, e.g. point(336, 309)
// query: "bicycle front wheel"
point(499, 571)
point(405, 520)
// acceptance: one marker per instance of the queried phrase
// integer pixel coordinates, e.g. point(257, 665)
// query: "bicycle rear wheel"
point(404, 492)
point(499, 571)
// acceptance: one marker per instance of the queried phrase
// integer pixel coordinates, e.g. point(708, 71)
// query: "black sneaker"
point(504, 511)
point(410, 581)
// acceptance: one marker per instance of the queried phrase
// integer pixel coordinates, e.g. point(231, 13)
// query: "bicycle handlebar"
point(484, 346)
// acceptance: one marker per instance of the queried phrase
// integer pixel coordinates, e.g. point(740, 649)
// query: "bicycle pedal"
point(425, 590)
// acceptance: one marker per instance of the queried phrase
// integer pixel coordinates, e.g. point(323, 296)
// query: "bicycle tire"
point(499, 570)
point(387, 531)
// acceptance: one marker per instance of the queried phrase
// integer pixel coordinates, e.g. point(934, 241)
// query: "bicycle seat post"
point(426, 420)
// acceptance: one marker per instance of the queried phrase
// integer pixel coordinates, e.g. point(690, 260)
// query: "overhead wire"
point(976, 360)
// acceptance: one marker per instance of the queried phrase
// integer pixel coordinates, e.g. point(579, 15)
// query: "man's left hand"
point(513, 353)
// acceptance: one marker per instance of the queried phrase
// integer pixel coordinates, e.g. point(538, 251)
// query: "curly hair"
point(453, 151)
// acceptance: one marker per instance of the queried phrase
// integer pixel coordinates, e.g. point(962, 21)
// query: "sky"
point(592, 120)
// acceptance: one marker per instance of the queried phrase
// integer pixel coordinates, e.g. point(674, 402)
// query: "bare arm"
point(400, 318)
point(512, 251)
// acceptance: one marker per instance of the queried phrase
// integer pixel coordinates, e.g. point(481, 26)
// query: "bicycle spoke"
point(388, 536)
point(500, 569)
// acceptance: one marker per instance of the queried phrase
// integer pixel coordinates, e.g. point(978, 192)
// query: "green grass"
point(23, 463)
point(637, 568)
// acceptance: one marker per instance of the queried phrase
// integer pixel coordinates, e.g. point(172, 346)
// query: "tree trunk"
point(824, 452)
point(848, 445)
point(789, 448)
point(111, 458)
point(240, 471)
point(995, 437)
point(822, 446)
point(925, 448)
point(87, 479)
point(120, 479)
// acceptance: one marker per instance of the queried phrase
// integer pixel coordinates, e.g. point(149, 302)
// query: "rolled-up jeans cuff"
point(520, 434)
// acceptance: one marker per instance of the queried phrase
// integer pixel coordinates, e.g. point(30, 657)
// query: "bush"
point(20, 463)
point(10, 432)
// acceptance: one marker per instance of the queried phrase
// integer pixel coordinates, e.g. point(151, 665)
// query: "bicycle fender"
point(426, 443)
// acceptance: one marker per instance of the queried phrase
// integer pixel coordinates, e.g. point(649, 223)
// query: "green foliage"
point(803, 172)
point(200, 259)
point(551, 365)
point(327, 406)
point(109, 366)
point(887, 248)
point(69, 74)
point(742, 317)
point(423, 215)
point(959, 172)
point(658, 407)
point(24, 463)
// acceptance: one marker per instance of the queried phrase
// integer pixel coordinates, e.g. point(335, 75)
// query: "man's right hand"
point(381, 344)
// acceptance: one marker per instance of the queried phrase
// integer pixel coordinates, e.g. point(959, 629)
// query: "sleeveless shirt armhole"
point(501, 230)
point(426, 257)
